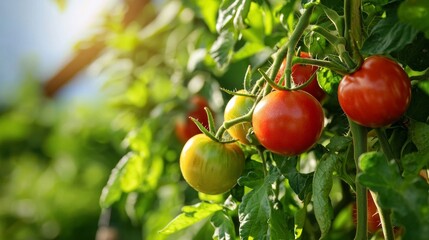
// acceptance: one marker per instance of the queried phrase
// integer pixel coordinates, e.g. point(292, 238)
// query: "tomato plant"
point(211, 167)
point(185, 128)
point(306, 162)
point(288, 122)
point(377, 94)
point(301, 74)
point(236, 107)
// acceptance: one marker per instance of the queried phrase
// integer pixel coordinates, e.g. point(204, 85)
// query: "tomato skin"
point(288, 122)
point(377, 94)
point(211, 167)
point(186, 128)
point(238, 106)
point(300, 74)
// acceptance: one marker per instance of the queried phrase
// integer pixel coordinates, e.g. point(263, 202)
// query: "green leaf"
point(191, 215)
point(322, 185)
point(255, 210)
point(418, 109)
point(278, 223)
point(419, 133)
point(208, 9)
point(328, 80)
point(249, 49)
point(415, 54)
point(132, 173)
point(339, 143)
point(112, 191)
point(222, 49)
point(416, 13)
point(389, 35)
point(299, 182)
point(224, 226)
point(232, 11)
point(407, 197)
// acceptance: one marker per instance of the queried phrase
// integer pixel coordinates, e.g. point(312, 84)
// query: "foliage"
point(198, 47)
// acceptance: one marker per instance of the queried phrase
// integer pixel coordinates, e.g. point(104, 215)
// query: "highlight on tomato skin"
point(302, 73)
point(377, 94)
point(185, 128)
point(211, 167)
point(288, 122)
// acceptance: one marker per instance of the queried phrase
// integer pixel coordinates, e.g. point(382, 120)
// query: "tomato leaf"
point(278, 223)
point(208, 9)
point(232, 11)
point(415, 53)
point(418, 109)
point(339, 143)
point(255, 211)
point(112, 191)
point(299, 182)
point(222, 49)
point(420, 135)
point(322, 185)
point(328, 81)
point(190, 215)
point(389, 34)
point(407, 197)
point(224, 226)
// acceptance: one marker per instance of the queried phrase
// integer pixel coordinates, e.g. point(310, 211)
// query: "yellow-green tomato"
point(211, 167)
point(237, 107)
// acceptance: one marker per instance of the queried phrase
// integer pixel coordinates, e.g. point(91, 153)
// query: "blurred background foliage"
point(56, 156)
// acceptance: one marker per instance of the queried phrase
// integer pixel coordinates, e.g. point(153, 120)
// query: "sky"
point(39, 34)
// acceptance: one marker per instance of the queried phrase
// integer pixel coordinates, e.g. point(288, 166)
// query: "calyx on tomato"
point(377, 94)
point(301, 74)
point(211, 167)
point(288, 122)
point(185, 128)
point(236, 107)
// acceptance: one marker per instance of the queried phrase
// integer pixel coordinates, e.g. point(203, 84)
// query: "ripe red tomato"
point(185, 128)
point(237, 107)
point(377, 94)
point(374, 222)
point(300, 74)
point(288, 122)
point(211, 167)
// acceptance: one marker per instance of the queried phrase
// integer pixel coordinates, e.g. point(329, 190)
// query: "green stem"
point(264, 161)
point(359, 134)
point(302, 24)
point(340, 69)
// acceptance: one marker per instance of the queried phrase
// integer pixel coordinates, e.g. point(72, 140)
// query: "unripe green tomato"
point(237, 107)
point(211, 167)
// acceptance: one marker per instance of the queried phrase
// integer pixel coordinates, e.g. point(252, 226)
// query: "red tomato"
point(211, 167)
point(300, 74)
point(237, 107)
point(374, 222)
point(186, 128)
point(377, 94)
point(288, 122)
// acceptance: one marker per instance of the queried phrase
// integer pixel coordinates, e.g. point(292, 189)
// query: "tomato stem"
point(302, 24)
point(385, 219)
point(387, 149)
point(359, 134)
point(264, 161)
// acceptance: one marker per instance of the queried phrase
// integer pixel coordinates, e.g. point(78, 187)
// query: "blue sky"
point(39, 33)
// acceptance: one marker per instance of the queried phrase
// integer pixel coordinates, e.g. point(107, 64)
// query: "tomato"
point(211, 167)
point(377, 94)
point(186, 128)
point(288, 122)
point(237, 107)
point(374, 222)
point(300, 74)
